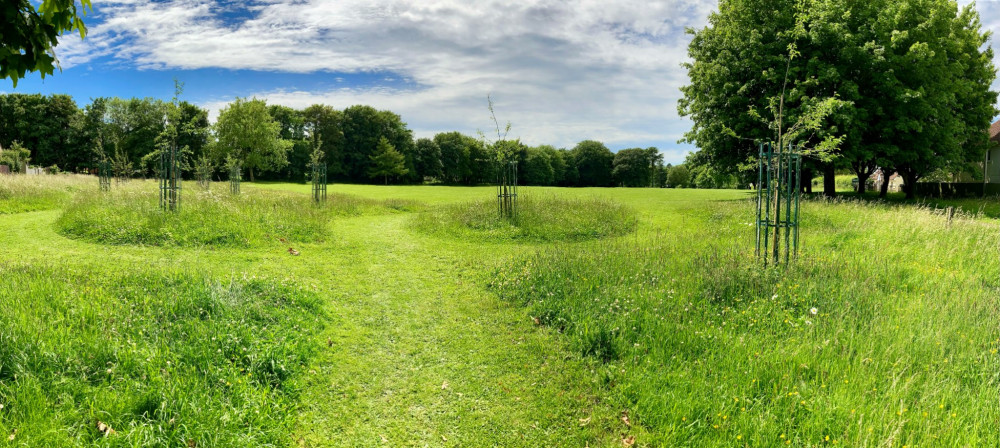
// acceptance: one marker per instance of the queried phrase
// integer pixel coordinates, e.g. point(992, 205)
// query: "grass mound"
point(25, 193)
point(131, 215)
point(866, 338)
point(539, 219)
point(161, 359)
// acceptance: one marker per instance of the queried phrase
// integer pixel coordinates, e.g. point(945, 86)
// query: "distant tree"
point(326, 121)
point(386, 161)
point(246, 131)
point(454, 156)
point(48, 125)
point(571, 175)
point(428, 159)
point(15, 156)
point(363, 127)
point(633, 167)
point(678, 177)
point(593, 162)
point(28, 35)
point(131, 129)
point(293, 130)
point(536, 168)
point(194, 132)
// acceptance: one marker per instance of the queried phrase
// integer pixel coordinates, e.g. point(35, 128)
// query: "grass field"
point(409, 317)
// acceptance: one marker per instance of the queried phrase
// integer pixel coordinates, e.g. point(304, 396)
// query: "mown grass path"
point(417, 352)
point(421, 355)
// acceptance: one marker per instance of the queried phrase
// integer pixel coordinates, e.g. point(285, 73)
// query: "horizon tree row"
point(272, 142)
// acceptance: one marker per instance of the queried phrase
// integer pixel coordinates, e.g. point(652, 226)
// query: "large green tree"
point(28, 35)
point(427, 160)
point(897, 63)
point(325, 121)
point(363, 127)
point(46, 125)
point(457, 156)
point(593, 163)
point(937, 93)
point(635, 167)
point(386, 162)
point(536, 167)
point(247, 132)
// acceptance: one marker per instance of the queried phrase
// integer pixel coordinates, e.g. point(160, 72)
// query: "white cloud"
point(560, 70)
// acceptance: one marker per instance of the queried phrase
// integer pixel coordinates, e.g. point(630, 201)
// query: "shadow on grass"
point(987, 207)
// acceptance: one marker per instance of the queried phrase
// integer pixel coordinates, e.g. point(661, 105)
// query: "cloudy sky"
point(561, 71)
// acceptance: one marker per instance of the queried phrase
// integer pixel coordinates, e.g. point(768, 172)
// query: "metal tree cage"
point(779, 177)
point(204, 178)
point(507, 189)
point(170, 179)
point(104, 174)
point(235, 176)
point(319, 182)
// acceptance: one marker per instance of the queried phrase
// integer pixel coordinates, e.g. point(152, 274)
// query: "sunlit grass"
point(163, 360)
point(538, 219)
point(884, 332)
point(131, 214)
point(24, 193)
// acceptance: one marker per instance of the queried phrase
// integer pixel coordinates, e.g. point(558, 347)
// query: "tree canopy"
point(247, 132)
point(913, 77)
point(386, 162)
point(29, 35)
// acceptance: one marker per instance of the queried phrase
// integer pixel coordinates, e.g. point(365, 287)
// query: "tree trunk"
point(250, 169)
point(883, 190)
point(829, 180)
point(910, 178)
point(862, 183)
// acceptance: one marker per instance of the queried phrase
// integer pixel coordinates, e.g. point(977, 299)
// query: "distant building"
point(993, 157)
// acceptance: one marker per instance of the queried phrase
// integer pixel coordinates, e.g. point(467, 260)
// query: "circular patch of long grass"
point(538, 219)
point(131, 215)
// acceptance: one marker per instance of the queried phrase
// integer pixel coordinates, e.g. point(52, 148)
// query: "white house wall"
point(993, 170)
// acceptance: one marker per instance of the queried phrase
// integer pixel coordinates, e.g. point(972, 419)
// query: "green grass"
point(164, 359)
point(391, 334)
point(22, 193)
point(883, 332)
point(132, 214)
point(544, 218)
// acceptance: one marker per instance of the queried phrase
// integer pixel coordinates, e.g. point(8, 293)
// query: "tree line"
point(897, 85)
point(359, 144)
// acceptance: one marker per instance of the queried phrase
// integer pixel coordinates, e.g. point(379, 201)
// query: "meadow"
point(412, 316)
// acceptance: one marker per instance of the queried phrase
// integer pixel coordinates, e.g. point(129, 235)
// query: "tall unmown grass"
point(162, 359)
point(539, 219)
point(24, 193)
point(883, 333)
point(131, 215)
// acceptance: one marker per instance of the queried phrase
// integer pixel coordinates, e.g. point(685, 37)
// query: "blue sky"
point(561, 71)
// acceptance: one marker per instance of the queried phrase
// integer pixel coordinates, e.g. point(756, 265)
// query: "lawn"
point(410, 317)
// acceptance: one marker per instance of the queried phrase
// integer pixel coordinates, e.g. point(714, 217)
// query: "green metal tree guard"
point(507, 189)
point(235, 177)
point(104, 174)
point(779, 180)
point(319, 182)
point(170, 179)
